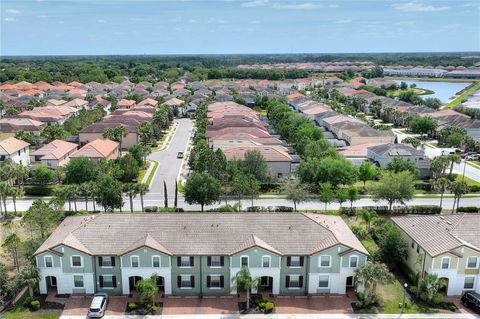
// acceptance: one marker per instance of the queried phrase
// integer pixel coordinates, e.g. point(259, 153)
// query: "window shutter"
point(192, 281)
point(114, 280)
point(301, 261)
point(100, 261)
point(222, 261)
point(209, 261)
point(209, 282)
point(222, 282)
point(300, 282)
point(179, 281)
point(191, 261)
point(113, 261)
point(287, 281)
point(101, 281)
point(289, 261)
point(179, 261)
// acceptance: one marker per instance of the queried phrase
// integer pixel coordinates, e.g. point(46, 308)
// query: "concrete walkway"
point(296, 316)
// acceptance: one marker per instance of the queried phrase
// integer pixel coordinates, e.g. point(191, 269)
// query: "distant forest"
point(198, 67)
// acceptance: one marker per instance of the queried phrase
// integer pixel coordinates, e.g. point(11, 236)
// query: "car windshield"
point(94, 309)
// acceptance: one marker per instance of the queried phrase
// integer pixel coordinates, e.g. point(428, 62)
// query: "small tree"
point(393, 187)
point(40, 217)
point(367, 172)
point(392, 246)
point(243, 281)
point(326, 194)
point(11, 244)
point(202, 189)
point(43, 175)
point(430, 285)
point(30, 276)
point(148, 289)
point(367, 217)
point(294, 192)
point(370, 276)
point(353, 195)
point(341, 195)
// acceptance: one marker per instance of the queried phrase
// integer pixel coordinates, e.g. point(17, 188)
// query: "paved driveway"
point(169, 164)
point(313, 305)
point(194, 305)
point(78, 306)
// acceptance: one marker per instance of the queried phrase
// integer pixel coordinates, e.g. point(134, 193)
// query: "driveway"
point(169, 164)
point(78, 306)
point(314, 305)
point(195, 306)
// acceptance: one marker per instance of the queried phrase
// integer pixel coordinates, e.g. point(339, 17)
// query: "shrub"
point(225, 209)
point(39, 190)
point(151, 209)
point(34, 305)
point(413, 290)
point(423, 186)
point(423, 296)
point(360, 295)
point(132, 306)
point(437, 299)
point(27, 302)
point(468, 209)
point(269, 306)
point(360, 232)
point(474, 188)
point(397, 210)
point(283, 209)
point(154, 309)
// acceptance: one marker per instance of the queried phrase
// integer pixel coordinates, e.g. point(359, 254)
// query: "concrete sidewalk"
point(297, 316)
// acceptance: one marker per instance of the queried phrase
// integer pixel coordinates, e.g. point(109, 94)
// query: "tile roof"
point(97, 149)
point(440, 234)
point(11, 145)
point(203, 233)
point(269, 153)
point(55, 150)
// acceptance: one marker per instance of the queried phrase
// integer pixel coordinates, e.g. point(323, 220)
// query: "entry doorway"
point(132, 282)
point(51, 284)
point(161, 284)
point(349, 282)
point(266, 284)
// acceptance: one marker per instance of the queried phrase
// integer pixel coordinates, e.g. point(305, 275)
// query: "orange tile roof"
point(97, 149)
point(55, 150)
point(11, 145)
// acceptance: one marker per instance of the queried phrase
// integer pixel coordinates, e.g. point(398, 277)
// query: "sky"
point(102, 27)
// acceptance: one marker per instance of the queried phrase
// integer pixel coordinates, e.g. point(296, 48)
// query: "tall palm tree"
point(4, 192)
point(458, 188)
point(442, 183)
point(30, 276)
point(142, 190)
point(243, 281)
point(454, 158)
point(131, 190)
point(15, 193)
point(92, 188)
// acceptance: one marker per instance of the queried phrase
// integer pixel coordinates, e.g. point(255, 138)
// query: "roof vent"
point(442, 218)
point(290, 227)
point(449, 222)
point(184, 227)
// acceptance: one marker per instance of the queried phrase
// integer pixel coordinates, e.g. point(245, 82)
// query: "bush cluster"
point(419, 210)
point(468, 209)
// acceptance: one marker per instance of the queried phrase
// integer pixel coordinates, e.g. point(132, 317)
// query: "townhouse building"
point(447, 245)
point(200, 253)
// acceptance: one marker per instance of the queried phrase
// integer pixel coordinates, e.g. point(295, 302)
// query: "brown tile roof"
point(270, 153)
point(11, 145)
point(97, 149)
point(148, 101)
point(56, 149)
point(11, 125)
point(203, 233)
point(440, 234)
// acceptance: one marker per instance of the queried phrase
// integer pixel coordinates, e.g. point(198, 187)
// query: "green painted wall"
point(145, 256)
point(195, 271)
point(285, 271)
point(223, 271)
point(334, 263)
point(255, 258)
point(115, 271)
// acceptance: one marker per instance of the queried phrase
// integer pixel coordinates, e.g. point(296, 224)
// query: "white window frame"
point(291, 260)
point(248, 261)
point(476, 263)
point(219, 262)
point(441, 262)
point(269, 258)
point(350, 261)
point(189, 280)
point(83, 281)
point(328, 281)
point(113, 284)
point(219, 281)
point(81, 261)
point(473, 284)
point(159, 261)
point(290, 282)
point(104, 258)
point(131, 261)
point(320, 261)
point(45, 261)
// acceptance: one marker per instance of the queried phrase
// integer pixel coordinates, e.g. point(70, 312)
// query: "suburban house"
point(49, 114)
point(126, 104)
point(446, 245)
point(199, 254)
point(385, 153)
point(53, 154)
point(10, 126)
point(16, 150)
point(98, 150)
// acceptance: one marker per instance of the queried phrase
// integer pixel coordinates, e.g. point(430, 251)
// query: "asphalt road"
point(169, 164)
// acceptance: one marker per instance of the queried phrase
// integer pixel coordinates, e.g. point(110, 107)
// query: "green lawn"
point(152, 173)
point(460, 98)
point(141, 173)
point(468, 180)
point(418, 91)
point(25, 314)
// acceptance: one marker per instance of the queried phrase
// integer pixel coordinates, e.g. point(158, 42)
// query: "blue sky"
point(55, 27)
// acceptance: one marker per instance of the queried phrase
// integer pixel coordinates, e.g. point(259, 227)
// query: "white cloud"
point(417, 7)
point(345, 21)
point(255, 3)
point(10, 19)
point(192, 21)
point(333, 5)
point(101, 21)
point(12, 11)
point(254, 22)
point(295, 6)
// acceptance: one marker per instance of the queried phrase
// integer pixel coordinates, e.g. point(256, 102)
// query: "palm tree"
point(454, 158)
point(71, 193)
point(458, 188)
point(92, 188)
point(432, 284)
point(21, 174)
point(131, 190)
point(243, 281)
point(15, 193)
point(142, 190)
point(29, 276)
point(84, 191)
point(116, 134)
point(4, 192)
point(368, 217)
point(442, 183)
point(370, 276)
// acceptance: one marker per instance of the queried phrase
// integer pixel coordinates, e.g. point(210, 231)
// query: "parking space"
point(313, 304)
point(195, 306)
point(78, 306)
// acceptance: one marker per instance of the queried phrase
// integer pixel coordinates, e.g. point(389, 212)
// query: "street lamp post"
point(404, 296)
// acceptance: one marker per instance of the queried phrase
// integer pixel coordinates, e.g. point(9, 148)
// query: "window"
point(76, 261)
point(266, 260)
point(472, 262)
point(244, 261)
point(215, 281)
point(418, 248)
point(215, 261)
point(469, 282)
point(106, 261)
point(445, 262)
point(295, 261)
point(108, 281)
point(294, 281)
point(186, 261)
point(413, 243)
point(323, 281)
point(134, 261)
point(78, 281)
point(156, 261)
point(353, 262)
point(325, 261)
point(186, 281)
point(48, 261)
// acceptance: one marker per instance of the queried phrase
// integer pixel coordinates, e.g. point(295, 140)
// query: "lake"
point(443, 90)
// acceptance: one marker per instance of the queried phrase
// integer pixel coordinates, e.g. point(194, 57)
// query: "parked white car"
point(98, 306)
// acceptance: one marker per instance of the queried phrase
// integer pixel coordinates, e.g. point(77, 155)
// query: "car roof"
point(474, 294)
point(97, 301)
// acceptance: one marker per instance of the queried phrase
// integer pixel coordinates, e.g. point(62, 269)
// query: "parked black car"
point(472, 300)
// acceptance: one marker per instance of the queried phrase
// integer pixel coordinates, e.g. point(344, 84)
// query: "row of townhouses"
point(200, 253)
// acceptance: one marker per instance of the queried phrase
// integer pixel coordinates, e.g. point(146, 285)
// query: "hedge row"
point(468, 209)
point(154, 209)
point(397, 210)
point(39, 190)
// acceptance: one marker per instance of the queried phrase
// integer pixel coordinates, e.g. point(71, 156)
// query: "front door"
point(349, 282)
point(53, 281)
